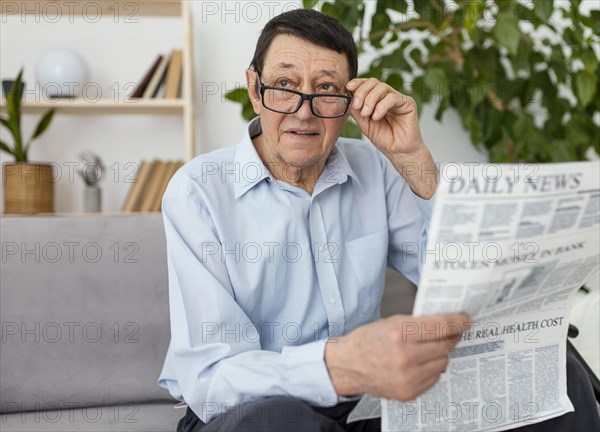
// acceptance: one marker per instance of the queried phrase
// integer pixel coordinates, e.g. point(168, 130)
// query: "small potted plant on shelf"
point(28, 187)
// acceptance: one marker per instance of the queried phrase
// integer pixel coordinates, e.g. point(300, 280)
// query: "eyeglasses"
point(289, 101)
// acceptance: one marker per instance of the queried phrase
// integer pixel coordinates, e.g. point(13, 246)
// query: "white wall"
point(225, 34)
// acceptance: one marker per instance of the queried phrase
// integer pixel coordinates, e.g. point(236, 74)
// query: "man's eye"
point(283, 83)
point(327, 88)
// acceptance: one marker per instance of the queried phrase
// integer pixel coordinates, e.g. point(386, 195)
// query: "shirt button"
point(332, 300)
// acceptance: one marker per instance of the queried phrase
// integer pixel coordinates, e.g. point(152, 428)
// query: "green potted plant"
point(28, 187)
point(522, 76)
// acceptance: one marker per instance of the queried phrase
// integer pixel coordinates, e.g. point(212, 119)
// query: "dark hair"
point(312, 26)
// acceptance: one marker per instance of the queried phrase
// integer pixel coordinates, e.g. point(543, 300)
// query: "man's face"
point(299, 140)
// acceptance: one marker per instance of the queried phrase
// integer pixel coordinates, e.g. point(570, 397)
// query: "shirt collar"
point(338, 168)
point(253, 170)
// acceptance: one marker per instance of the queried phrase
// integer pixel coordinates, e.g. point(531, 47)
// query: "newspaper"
point(509, 245)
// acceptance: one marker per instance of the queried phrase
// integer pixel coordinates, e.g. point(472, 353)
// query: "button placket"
point(328, 283)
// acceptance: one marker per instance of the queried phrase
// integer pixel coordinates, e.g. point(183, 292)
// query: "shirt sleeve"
point(215, 361)
point(409, 217)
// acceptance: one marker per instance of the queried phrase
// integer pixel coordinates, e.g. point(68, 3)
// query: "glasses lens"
point(330, 106)
point(281, 100)
point(287, 102)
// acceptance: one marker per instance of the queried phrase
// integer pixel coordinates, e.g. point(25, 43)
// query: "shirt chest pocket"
point(368, 258)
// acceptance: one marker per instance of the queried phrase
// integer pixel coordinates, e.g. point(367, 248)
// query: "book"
point(136, 190)
point(143, 84)
point(156, 179)
point(169, 171)
point(158, 78)
point(173, 81)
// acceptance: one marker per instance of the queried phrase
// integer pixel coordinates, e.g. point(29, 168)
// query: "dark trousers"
point(281, 413)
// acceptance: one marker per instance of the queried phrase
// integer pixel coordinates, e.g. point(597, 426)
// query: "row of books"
point(163, 78)
point(145, 194)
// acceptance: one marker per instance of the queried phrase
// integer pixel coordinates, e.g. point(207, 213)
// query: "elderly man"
point(277, 247)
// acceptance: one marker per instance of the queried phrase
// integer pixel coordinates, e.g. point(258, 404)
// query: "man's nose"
point(304, 112)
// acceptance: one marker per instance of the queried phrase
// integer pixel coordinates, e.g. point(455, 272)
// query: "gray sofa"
point(85, 323)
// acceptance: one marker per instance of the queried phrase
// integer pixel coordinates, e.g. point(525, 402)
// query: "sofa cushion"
point(84, 307)
point(398, 296)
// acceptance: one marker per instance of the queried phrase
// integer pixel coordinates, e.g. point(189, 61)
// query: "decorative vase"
point(92, 199)
point(28, 187)
point(7, 86)
point(61, 73)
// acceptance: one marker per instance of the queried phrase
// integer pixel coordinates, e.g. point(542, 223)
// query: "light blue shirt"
point(261, 273)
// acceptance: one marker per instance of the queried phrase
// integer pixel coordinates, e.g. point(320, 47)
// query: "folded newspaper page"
point(509, 245)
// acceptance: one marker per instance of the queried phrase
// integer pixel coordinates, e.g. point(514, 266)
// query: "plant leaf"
point(395, 81)
point(380, 23)
point(398, 5)
point(351, 130)
point(309, 4)
point(543, 9)
point(507, 33)
point(40, 128)
point(4, 121)
point(237, 95)
point(13, 108)
point(590, 61)
point(473, 12)
point(585, 86)
point(5, 147)
point(435, 80)
point(43, 124)
point(522, 60)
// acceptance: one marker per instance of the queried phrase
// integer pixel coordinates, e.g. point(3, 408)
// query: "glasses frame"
point(303, 97)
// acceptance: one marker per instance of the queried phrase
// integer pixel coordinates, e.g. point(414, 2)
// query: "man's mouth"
point(302, 132)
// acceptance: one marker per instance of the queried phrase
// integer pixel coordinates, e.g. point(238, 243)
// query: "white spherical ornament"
point(61, 73)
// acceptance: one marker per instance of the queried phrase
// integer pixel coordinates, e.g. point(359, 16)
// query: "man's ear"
point(251, 82)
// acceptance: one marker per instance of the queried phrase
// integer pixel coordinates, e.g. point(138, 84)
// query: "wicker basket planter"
point(28, 188)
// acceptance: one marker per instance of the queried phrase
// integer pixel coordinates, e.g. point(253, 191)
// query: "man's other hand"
point(399, 357)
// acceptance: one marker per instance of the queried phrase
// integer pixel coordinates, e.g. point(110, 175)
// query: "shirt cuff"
point(425, 207)
point(309, 380)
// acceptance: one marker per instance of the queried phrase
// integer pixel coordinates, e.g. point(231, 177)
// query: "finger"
point(425, 385)
point(377, 93)
point(406, 104)
point(389, 102)
point(435, 365)
point(362, 122)
point(418, 354)
point(360, 93)
point(422, 380)
point(354, 83)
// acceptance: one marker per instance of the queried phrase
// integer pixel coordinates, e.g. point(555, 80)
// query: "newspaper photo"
point(509, 245)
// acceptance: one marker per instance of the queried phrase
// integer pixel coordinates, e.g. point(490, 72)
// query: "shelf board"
point(80, 106)
point(122, 9)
